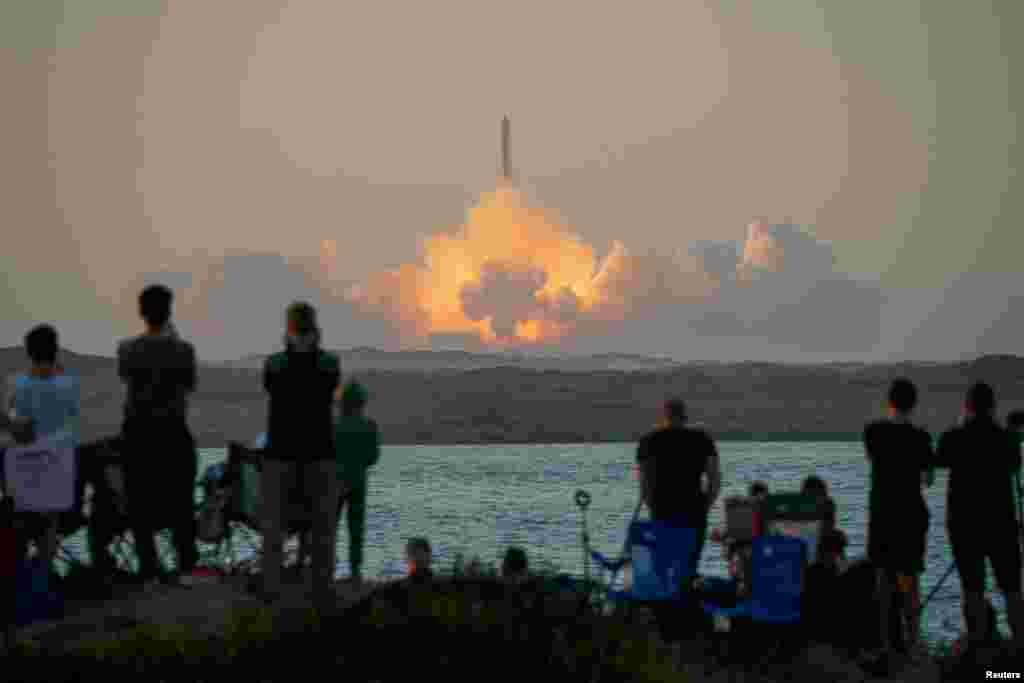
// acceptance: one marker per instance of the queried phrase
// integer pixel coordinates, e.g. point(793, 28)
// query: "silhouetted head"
point(514, 565)
point(902, 396)
point(301, 318)
point(417, 556)
point(1015, 420)
point(353, 398)
point(814, 486)
point(674, 411)
point(155, 305)
point(758, 489)
point(41, 345)
point(981, 400)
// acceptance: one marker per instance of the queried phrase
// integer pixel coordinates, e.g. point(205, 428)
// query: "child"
point(49, 398)
point(357, 449)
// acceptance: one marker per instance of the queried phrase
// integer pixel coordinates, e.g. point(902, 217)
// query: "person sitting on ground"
point(981, 519)
point(821, 585)
point(815, 486)
point(514, 566)
point(418, 556)
point(357, 449)
point(45, 401)
point(900, 455)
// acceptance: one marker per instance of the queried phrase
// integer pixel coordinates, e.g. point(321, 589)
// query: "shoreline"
point(719, 438)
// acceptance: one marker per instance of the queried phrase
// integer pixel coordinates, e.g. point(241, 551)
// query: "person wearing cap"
point(299, 455)
point(357, 449)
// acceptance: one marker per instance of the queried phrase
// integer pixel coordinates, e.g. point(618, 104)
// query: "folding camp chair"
point(658, 565)
point(776, 585)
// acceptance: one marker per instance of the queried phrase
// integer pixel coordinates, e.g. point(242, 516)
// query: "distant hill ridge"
point(454, 397)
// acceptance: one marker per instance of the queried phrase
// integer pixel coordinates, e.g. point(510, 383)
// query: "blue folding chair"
point(776, 583)
point(661, 559)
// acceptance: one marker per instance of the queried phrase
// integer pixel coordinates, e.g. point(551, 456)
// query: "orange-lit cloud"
point(511, 274)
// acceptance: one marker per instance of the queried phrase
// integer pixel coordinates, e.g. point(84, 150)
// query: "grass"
point(460, 627)
point(447, 628)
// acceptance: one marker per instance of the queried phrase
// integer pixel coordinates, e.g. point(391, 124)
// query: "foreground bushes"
point(461, 629)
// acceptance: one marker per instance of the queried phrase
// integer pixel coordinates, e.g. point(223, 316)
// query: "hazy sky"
point(216, 145)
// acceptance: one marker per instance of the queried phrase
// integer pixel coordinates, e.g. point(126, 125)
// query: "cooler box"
point(797, 515)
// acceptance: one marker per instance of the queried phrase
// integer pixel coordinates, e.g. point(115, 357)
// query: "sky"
point(798, 181)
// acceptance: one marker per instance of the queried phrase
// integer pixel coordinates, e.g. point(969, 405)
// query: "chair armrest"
point(610, 565)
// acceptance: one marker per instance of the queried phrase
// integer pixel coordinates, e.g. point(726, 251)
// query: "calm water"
point(481, 499)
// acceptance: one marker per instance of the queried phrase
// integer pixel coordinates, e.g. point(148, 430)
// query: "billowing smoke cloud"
point(235, 306)
point(782, 287)
point(514, 274)
point(505, 296)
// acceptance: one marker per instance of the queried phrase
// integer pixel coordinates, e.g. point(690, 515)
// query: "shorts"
point(898, 548)
point(1000, 546)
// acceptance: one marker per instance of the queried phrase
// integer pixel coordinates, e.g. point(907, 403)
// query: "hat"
point(354, 394)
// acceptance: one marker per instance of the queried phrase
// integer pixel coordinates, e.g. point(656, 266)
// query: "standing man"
point(159, 372)
point(983, 458)
point(357, 443)
point(299, 456)
point(900, 455)
point(680, 477)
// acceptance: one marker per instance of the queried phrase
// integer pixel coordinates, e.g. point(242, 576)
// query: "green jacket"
point(356, 447)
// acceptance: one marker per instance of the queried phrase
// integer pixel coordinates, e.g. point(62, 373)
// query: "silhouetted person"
point(45, 402)
point(514, 566)
point(983, 459)
point(679, 473)
point(418, 557)
point(1015, 421)
point(815, 486)
point(160, 456)
point(758, 489)
point(357, 445)
point(901, 457)
point(299, 454)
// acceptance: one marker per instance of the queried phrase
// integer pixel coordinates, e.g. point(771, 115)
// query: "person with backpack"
point(300, 382)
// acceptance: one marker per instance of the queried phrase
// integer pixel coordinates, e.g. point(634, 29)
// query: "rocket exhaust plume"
point(512, 274)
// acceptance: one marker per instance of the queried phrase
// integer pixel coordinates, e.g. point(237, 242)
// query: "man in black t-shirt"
point(981, 519)
point(679, 473)
point(900, 455)
point(158, 369)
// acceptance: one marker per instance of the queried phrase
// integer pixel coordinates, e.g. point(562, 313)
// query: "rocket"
point(506, 132)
